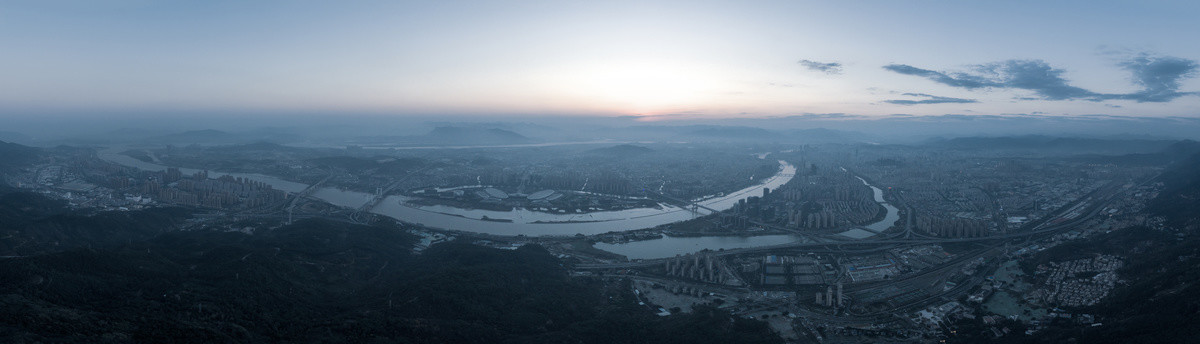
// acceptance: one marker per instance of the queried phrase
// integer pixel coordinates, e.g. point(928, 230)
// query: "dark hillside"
point(32, 224)
point(13, 155)
point(321, 281)
point(1161, 301)
point(1179, 201)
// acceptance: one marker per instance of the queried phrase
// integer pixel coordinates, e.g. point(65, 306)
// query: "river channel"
point(893, 214)
point(671, 246)
point(532, 223)
point(523, 221)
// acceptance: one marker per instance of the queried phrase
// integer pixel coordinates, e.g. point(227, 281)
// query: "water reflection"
point(671, 246)
point(893, 214)
point(523, 222)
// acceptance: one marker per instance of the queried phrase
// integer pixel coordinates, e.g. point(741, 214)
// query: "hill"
point(206, 136)
point(1179, 201)
point(387, 165)
point(15, 137)
point(731, 132)
point(822, 135)
point(1039, 144)
point(323, 281)
point(13, 155)
point(34, 224)
point(1159, 304)
point(467, 136)
point(1161, 299)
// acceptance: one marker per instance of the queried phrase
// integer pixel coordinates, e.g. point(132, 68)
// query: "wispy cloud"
point(1159, 76)
point(824, 67)
point(929, 99)
point(962, 80)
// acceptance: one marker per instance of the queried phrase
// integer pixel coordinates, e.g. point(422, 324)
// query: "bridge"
point(304, 193)
point(380, 194)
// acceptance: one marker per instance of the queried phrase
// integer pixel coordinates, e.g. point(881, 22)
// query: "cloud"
point(957, 80)
point(827, 68)
point(1158, 76)
point(931, 99)
point(1036, 76)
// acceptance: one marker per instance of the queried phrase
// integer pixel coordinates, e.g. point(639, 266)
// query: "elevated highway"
point(304, 193)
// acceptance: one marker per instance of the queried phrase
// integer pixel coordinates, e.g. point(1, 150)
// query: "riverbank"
point(677, 234)
point(523, 222)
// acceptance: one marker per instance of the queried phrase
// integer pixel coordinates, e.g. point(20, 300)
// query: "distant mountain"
point(206, 136)
point(203, 136)
point(380, 164)
point(262, 146)
point(15, 137)
point(274, 134)
point(1182, 149)
point(822, 135)
point(131, 133)
point(734, 133)
point(13, 155)
point(470, 136)
point(1178, 151)
point(621, 151)
point(727, 133)
point(1053, 145)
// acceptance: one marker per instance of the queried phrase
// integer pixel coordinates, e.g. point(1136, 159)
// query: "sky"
point(653, 60)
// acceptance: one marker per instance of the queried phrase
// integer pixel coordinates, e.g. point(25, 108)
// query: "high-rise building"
point(839, 294)
point(829, 296)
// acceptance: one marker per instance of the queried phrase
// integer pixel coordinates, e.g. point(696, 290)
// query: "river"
point(524, 222)
point(533, 223)
point(671, 246)
point(893, 214)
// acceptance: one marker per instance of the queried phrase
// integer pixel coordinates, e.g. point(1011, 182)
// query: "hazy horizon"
point(663, 61)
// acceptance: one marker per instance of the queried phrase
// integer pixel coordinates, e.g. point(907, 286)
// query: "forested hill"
point(322, 281)
point(1179, 201)
point(1161, 301)
point(13, 155)
point(31, 224)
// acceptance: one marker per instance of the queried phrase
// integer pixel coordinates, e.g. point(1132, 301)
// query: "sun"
point(641, 86)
